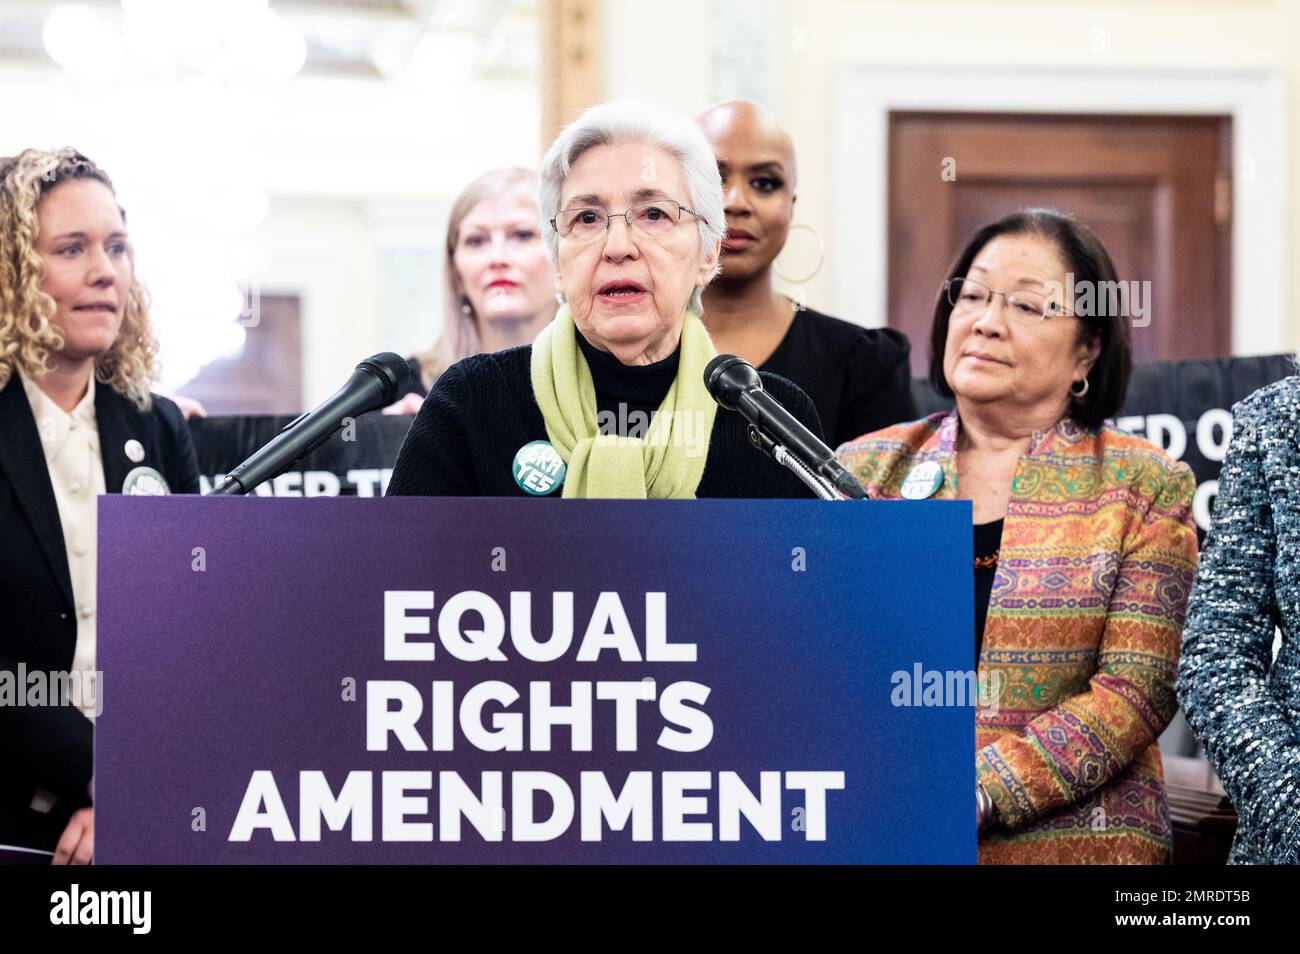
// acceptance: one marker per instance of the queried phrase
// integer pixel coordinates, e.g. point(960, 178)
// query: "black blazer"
point(50, 747)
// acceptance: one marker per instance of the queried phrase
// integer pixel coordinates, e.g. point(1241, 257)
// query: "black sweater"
point(482, 410)
point(859, 379)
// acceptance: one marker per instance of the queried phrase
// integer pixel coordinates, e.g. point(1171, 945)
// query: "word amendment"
point(555, 794)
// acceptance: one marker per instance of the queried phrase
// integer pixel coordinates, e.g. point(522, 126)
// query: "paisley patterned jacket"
point(1085, 617)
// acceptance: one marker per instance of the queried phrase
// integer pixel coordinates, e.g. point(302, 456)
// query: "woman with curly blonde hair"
point(77, 355)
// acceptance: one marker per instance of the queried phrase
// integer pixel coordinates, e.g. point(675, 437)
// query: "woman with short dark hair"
point(1084, 543)
point(1101, 391)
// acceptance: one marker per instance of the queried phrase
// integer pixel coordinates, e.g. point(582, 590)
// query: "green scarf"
point(667, 463)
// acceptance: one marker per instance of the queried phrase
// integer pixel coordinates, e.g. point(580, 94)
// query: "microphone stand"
point(814, 481)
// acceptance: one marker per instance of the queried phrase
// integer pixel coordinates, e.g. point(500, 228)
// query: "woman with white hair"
point(609, 401)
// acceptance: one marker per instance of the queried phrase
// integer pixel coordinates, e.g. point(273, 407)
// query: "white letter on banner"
point(316, 800)
point(364, 481)
point(261, 790)
point(676, 805)
point(509, 734)
point(380, 720)
point(1210, 448)
point(442, 716)
point(637, 801)
point(1203, 503)
point(816, 785)
point(521, 627)
point(657, 647)
point(626, 695)
point(287, 484)
point(696, 722)
point(523, 826)
point(482, 643)
point(1160, 425)
point(1132, 424)
point(320, 483)
point(455, 799)
point(397, 625)
point(609, 609)
point(542, 715)
point(735, 799)
point(397, 805)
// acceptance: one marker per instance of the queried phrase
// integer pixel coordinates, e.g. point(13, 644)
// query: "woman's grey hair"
point(624, 121)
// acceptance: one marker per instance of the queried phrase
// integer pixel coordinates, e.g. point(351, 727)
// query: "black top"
point(49, 747)
point(859, 379)
point(482, 410)
point(988, 539)
point(627, 396)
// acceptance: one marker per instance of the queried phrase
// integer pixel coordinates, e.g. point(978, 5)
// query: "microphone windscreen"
point(391, 370)
point(714, 368)
point(727, 377)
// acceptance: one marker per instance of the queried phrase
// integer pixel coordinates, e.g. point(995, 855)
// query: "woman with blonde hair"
point(498, 290)
point(77, 355)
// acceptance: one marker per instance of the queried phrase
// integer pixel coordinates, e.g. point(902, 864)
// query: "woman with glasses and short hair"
point(609, 401)
point(1084, 544)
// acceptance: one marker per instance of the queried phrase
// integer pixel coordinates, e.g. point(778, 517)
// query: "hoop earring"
point(821, 258)
point(1080, 394)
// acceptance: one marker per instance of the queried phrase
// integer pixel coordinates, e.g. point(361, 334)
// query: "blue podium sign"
point(491, 681)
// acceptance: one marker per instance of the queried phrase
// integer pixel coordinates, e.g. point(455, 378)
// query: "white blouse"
point(76, 467)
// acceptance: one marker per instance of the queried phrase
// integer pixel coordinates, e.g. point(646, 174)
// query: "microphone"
point(374, 384)
point(736, 386)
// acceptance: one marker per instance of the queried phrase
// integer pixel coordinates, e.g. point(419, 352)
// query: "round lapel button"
point(538, 468)
point(922, 481)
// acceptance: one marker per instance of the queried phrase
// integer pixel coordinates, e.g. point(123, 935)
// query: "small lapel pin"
point(145, 482)
point(922, 481)
point(538, 468)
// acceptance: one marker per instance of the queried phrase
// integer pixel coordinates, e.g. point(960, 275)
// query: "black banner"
point(1183, 406)
point(356, 462)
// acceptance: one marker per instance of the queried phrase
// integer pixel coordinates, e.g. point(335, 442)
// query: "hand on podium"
point(77, 843)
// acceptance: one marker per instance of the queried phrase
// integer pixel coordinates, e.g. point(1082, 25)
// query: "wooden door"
point(1155, 190)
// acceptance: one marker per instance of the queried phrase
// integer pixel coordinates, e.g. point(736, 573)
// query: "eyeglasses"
point(967, 295)
point(653, 218)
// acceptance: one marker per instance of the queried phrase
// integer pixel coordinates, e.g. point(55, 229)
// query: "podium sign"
point(500, 681)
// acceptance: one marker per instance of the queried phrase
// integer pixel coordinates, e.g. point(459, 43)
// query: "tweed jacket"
point(1242, 703)
point(1082, 635)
